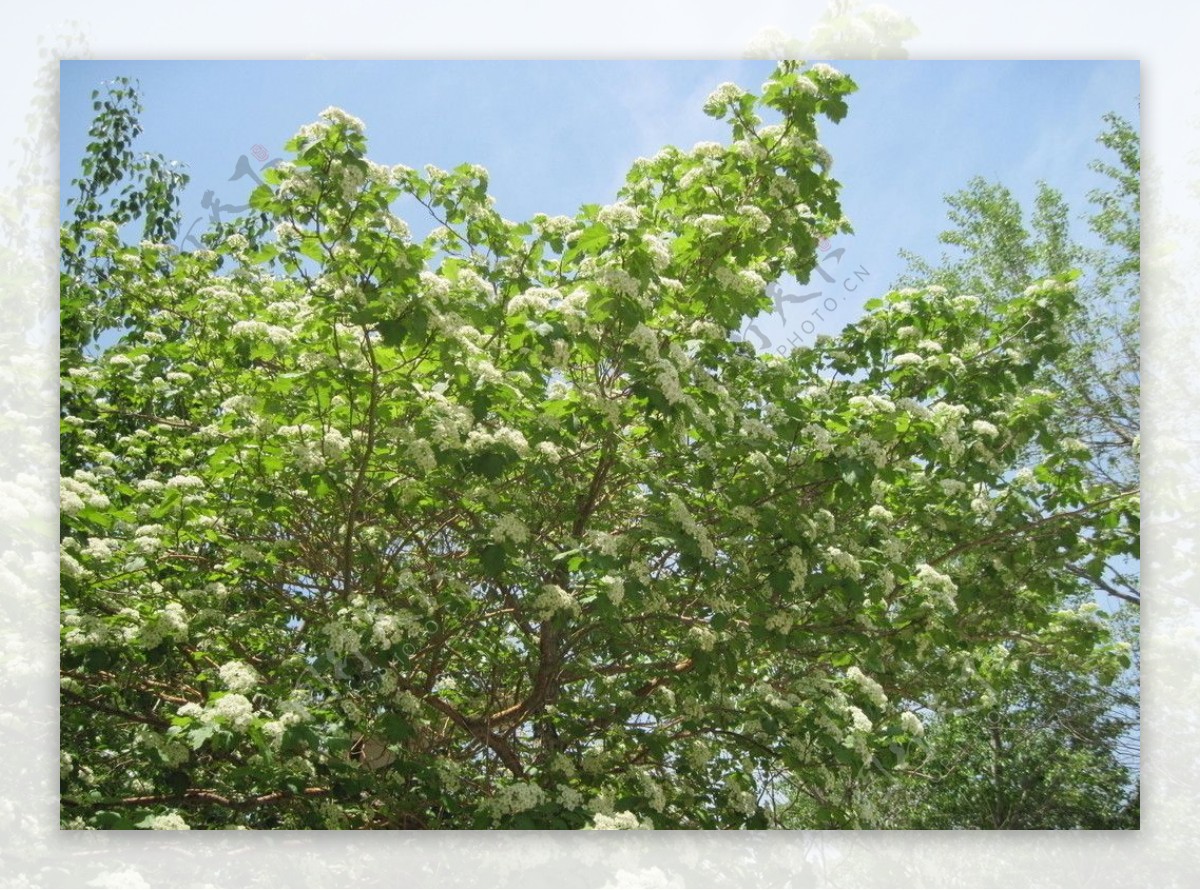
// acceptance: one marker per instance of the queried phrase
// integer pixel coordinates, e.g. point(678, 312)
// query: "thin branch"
point(199, 797)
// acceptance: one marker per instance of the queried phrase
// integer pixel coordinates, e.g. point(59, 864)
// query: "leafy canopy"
point(501, 528)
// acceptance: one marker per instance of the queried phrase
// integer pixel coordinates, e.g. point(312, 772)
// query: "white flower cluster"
point(982, 503)
point(605, 543)
point(249, 329)
point(743, 281)
point(707, 149)
point(983, 428)
point(719, 98)
point(646, 340)
point(619, 216)
point(516, 798)
point(291, 713)
point(614, 588)
point(479, 439)
point(77, 493)
point(906, 359)
point(821, 438)
point(168, 822)
point(938, 589)
point(781, 622)
point(340, 118)
point(238, 676)
point(758, 220)
point(569, 798)
point(235, 708)
point(745, 802)
point(667, 380)
point(554, 226)
point(860, 721)
point(535, 301)
point(844, 562)
point(952, 487)
point(622, 821)
point(948, 419)
point(912, 724)
point(389, 628)
point(702, 636)
point(658, 250)
point(798, 568)
point(184, 481)
point(483, 371)
point(509, 528)
point(880, 513)
point(681, 514)
point(869, 686)
point(821, 71)
point(168, 623)
point(420, 452)
point(343, 638)
point(551, 600)
point(617, 280)
point(652, 791)
point(548, 449)
point(868, 405)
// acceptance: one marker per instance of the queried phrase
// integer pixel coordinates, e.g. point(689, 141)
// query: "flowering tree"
point(501, 528)
point(1052, 747)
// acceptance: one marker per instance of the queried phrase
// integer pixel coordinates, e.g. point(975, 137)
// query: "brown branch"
point(198, 797)
point(165, 421)
point(1106, 587)
point(1008, 533)
point(116, 712)
point(678, 667)
point(480, 730)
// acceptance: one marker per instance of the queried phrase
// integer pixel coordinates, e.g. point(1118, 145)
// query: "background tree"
point(502, 529)
point(1054, 746)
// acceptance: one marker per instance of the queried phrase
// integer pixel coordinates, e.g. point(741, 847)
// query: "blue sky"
point(555, 135)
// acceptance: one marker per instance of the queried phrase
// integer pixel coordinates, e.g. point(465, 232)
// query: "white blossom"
point(938, 589)
point(184, 481)
point(861, 722)
point(882, 514)
point(614, 588)
point(551, 600)
point(912, 724)
point(235, 708)
point(619, 215)
point(869, 686)
point(168, 822)
point(191, 709)
point(702, 636)
point(844, 561)
point(622, 821)
point(238, 676)
point(719, 98)
point(516, 798)
point(821, 71)
point(509, 528)
point(338, 117)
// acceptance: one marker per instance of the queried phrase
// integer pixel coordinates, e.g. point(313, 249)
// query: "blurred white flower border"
point(34, 853)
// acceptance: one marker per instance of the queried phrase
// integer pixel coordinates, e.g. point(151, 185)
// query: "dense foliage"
point(1057, 747)
point(502, 528)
